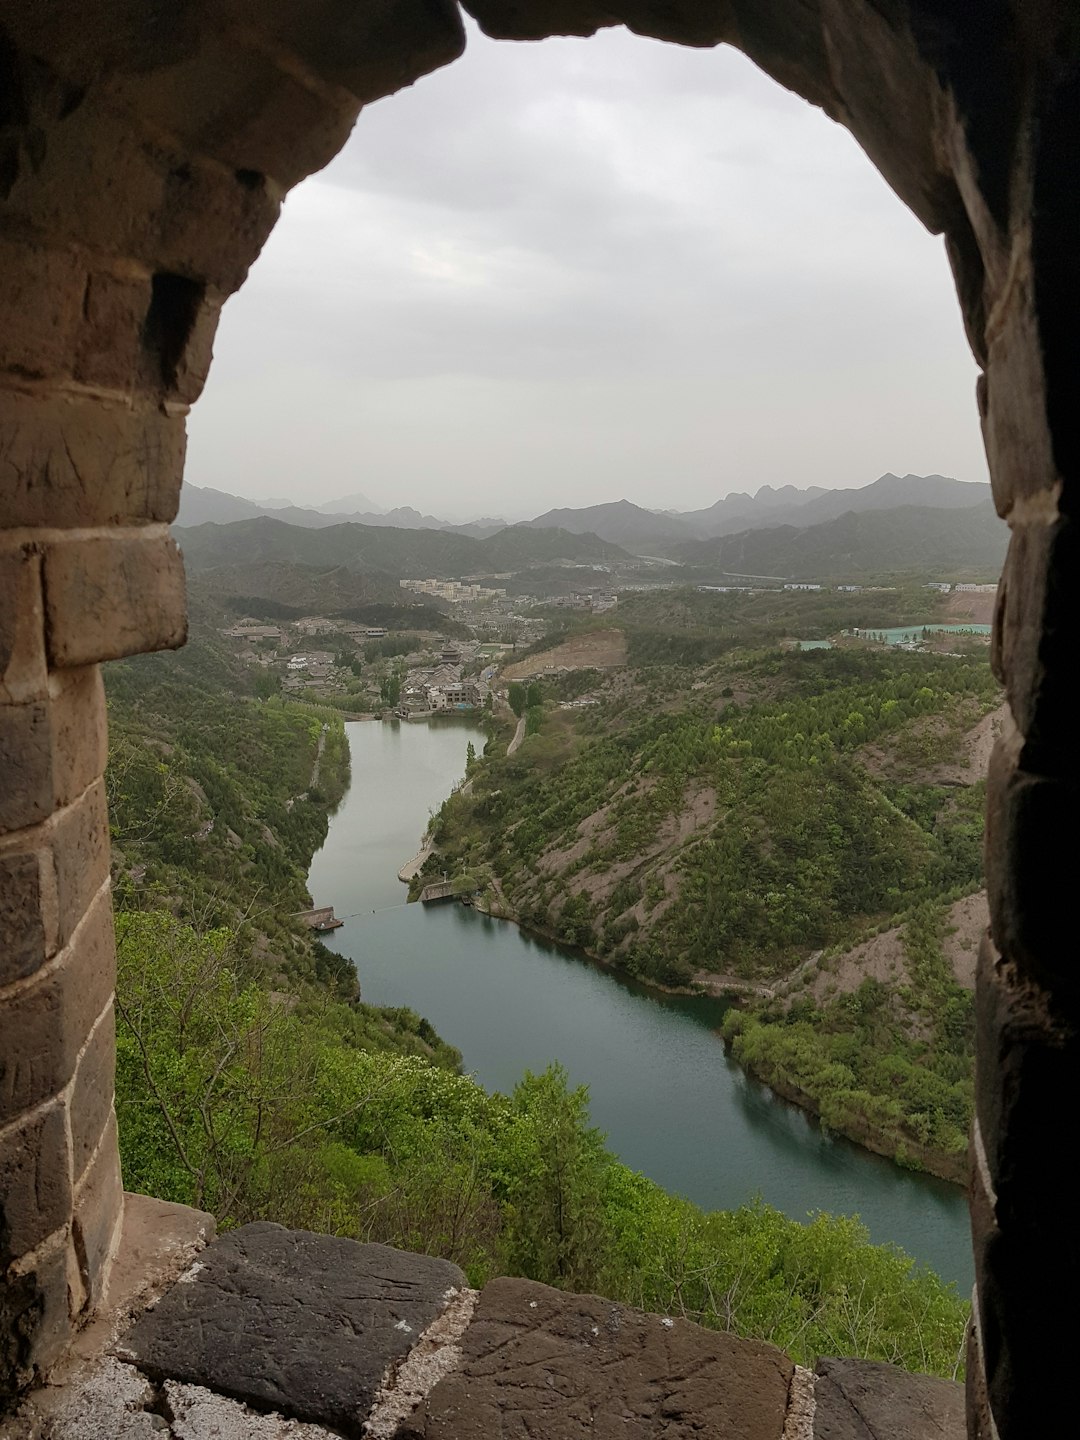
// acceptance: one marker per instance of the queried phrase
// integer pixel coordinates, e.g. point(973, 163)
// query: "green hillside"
point(383, 549)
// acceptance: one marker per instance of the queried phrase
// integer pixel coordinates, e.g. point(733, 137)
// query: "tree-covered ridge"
point(729, 824)
point(677, 841)
point(314, 1113)
point(219, 800)
point(887, 1063)
point(253, 1082)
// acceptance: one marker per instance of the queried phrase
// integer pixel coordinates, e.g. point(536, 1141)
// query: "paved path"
point(519, 736)
point(416, 864)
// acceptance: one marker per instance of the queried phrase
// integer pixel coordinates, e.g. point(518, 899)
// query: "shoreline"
point(948, 1167)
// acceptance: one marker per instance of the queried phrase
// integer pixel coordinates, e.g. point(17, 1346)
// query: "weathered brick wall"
point(144, 151)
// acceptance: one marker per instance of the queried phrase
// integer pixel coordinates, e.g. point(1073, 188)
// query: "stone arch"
point(145, 149)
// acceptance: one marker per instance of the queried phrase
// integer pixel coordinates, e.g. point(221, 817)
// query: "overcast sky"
point(569, 272)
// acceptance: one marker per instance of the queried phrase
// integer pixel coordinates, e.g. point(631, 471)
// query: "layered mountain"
point(201, 506)
point(647, 531)
point(937, 492)
point(914, 540)
point(385, 550)
point(620, 521)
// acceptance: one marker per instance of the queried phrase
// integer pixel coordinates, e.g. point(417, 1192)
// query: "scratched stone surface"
point(868, 1400)
point(294, 1322)
point(537, 1362)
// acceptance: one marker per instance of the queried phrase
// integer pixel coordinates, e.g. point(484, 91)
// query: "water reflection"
point(662, 1088)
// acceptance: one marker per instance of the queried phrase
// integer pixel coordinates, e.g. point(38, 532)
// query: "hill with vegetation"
point(252, 1081)
point(721, 810)
point(402, 554)
point(619, 521)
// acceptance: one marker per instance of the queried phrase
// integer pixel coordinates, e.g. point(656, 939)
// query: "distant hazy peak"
point(354, 504)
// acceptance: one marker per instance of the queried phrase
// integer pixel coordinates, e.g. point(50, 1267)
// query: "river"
point(670, 1101)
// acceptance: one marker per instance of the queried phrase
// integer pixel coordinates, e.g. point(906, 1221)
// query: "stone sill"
point(271, 1334)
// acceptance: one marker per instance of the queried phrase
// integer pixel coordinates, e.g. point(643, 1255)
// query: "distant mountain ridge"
point(643, 531)
point(202, 506)
point(959, 543)
point(937, 492)
point(385, 550)
point(620, 521)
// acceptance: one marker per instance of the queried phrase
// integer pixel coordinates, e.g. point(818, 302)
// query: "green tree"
point(534, 696)
point(517, 698)
point(390, 690)
point(555, 1184)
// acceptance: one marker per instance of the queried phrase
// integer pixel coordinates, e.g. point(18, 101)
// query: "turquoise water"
point(905, 634)
point(661, 1085)
point(813, 645)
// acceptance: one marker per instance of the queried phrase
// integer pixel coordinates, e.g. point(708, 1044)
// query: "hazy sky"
point(567, 272)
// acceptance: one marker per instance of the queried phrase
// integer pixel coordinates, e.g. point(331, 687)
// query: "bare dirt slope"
point(961, 605)
point(883, 956)
point(903, 757)
point(593, 650)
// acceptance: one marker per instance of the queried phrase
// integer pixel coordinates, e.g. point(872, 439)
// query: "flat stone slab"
point(868, 1400)
point(539, 1363)
point(285, 1320)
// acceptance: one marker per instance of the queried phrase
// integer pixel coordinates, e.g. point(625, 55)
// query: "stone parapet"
point(274, 1334)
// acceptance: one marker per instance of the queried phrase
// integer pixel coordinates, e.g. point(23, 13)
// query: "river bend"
point(662, 1088)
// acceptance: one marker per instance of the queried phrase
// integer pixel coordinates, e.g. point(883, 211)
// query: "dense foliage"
point(591, 830)
point(890, 1066)
point(218, 800)
point(253, 1082)
point(730, 809)
point(318, 1114)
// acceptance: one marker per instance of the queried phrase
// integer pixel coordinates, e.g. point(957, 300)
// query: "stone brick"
point(980, 1424)
point(78, 732)
point(28, 913)
point(43, 296)
point(1029, 869)
point(1022, 1204)
point(1039, 645)
point(102, 186)
point(870, 1400)
point(47, 1022)
point(193, 364)
point(1014, 428)
point(52, 750)
point(75, 460)
point(539, 1362)
point(91, 1105)
point(113, 596)
point(1026, 1325)
point(79, 836)
point(23, 672)
point(34, 1321)
point(26, 765)
point(107, 346)
point(371, 50)
point(99, 1207)
point(35, 1183)
point(1028, 1059)
point(213, 224)
point(289, 1320)
point(237, 105)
